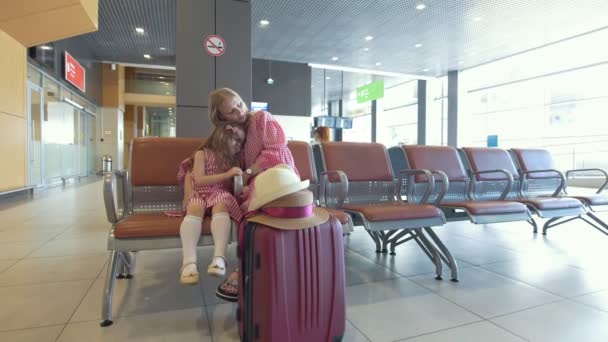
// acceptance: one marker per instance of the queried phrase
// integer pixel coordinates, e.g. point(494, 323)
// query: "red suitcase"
point(294, 287)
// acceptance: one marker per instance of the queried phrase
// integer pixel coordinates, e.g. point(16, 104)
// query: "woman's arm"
point(199, 172)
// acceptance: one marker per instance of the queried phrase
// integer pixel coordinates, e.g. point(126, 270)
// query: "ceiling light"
point(334, 58)
point(146, 56)
point(163, 49)
point(365, 49)
point(368, 38)
point(46, 47)
point(418, 45)
point(425, 69)
point(264, 22)
point(167, 93)
point(378, 63)
point(161, 78)
point(328, 78)
point(139, 30)
point(269, 81)
point(476, 19)
point(420, 7)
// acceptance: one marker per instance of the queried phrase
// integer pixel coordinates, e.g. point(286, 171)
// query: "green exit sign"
point(369, 92)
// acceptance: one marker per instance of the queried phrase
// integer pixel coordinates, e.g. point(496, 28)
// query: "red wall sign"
point(74, 72)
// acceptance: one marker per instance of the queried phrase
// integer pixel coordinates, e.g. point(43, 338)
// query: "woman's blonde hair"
point(217, 97)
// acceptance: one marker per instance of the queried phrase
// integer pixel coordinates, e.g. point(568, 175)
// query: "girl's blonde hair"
point(219, 143)
point(217, 97)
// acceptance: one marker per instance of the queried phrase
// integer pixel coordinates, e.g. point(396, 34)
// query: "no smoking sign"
point(215, 45)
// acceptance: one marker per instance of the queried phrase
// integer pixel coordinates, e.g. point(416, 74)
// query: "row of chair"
point(397, 199)
point(399, 194)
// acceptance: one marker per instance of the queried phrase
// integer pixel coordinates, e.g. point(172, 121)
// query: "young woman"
point(265, 147)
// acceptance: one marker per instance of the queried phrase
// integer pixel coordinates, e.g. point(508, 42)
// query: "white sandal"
point(215, 270)
point(190, 278)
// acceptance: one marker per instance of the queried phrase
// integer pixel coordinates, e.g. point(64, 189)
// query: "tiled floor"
point(514, 285)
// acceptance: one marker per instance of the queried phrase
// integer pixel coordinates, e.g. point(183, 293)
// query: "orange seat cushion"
point(395, 211)
point(488, 207)
point(339, 214)
point(552, 203)
point(593, 199)
point(153, 225)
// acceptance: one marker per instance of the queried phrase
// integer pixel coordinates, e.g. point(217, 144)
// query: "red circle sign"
point(215, 45)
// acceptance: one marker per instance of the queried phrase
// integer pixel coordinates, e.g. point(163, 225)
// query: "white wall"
point(110, 127)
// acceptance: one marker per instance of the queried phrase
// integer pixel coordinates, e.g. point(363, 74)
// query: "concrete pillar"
point(453, 108)
point(199, 73)
point(422, 112)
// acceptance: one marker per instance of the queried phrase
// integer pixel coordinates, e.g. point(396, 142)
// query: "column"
point(199, 73)
point(421, 112)
point(453, 108)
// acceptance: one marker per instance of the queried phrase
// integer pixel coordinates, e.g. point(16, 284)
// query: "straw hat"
point(281, 201)
point(274, 183)
point(293, 211)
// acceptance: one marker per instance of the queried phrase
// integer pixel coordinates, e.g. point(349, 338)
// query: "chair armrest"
point(114, 186)
point(562, 184)
point(238, 185)
point(324, 183)
point(410, 173)
point(445, 185)
point(508, 176)
point(602, 171)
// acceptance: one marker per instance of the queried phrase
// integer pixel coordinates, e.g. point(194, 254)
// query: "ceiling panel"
point(116, 39)
point(454, 34)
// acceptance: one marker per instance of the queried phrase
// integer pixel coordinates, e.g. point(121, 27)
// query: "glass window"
point(33, 75)
point(161, 121)
point(397, 114)
point(361, 131)
point(550, 98)
point(150, 81)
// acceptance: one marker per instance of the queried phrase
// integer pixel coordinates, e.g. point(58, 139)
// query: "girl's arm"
point(199, 172)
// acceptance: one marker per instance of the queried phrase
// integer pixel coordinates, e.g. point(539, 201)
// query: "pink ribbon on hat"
point(292, 212)
point(284, 212)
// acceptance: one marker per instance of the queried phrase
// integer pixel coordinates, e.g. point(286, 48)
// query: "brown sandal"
point(228, 290)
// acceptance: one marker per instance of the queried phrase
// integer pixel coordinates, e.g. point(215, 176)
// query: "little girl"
point(212, 168)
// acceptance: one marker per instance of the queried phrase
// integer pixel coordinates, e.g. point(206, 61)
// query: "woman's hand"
point(246, 178)
point(235, 171)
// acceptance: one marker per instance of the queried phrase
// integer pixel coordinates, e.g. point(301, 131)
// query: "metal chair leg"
point(421, 239)
point(548, 225)
point(128, 261)
point(376, 239)
point(120, 266)
point(534, 225)
point(600, 222)
point(394, 242)
point(445, 252)
point(108, 291)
